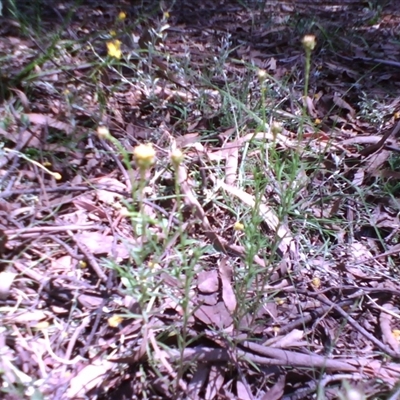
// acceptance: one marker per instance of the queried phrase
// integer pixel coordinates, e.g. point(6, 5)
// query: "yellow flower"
point(114, 321)
point(238, 226)
point(153, 265)
point(317, 121)
point(262, 74)
point(176, 157)
point(144, 155)
point(103, 132)
point(279, 301)
point(121, 15)
point(396, 334)
point(309, 42)
point(276, 127)
point(57, 176)
point(316, 282)
point(114, 48)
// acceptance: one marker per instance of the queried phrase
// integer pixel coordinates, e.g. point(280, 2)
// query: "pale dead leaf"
point(108, 196)
point(375, 161)
point(208, 281)
point(215, 382)
point(88, 205)
point(310, 107)
point(88, 378)
point(23, 99)
point(228, 295)
point(23, 138)
point(276, 392)
point(26, 317)
point(243, 391)
point(358, 178)
point(187, 140)
point(343, 104)
point(96, 242)
point(217, 315)
point(198, 381)
point(268, 215)
point(46, 120)
point(6, 281)
point(290, 339)
point(90, 302)
point(231, 166)
point(62, 263)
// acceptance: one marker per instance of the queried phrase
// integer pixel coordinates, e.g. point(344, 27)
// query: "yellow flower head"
point(238, 226)
point(262, 74)
point(276, 127)
point(114, 321)
point(121, 15)
point(309, 42)
point(103, 132)
point(316, 282)
point(57, 176)
point(177, 157)
point(114, 48)
point(144, 155)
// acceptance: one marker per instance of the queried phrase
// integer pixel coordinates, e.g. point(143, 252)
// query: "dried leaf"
point(276, 392)
point(343, 104)
point(6, 280)
point(217, 315)
point(215, 382)
point(268, 215)
point(45, 120)
point(208, 281)
point(88, 378)
point(243, 391)
point(231, 166)
point(24, 317)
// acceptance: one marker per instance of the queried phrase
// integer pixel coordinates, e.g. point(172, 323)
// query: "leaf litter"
point(328, 284)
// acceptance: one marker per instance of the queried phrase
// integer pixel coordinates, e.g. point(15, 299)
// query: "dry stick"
point(50, 229)
point(352, 322)
point(58, 189)
point(377, 146)
point(68, 249)
point(304, 392)
point(78, 331)
point(292, 358)
point(270, 356)
point(310, 316)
